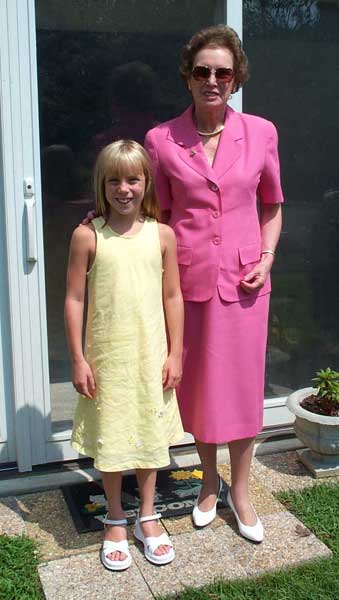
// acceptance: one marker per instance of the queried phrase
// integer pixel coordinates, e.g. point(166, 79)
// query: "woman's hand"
point(171, 372)
point(255, 279)
point(89, 217)
point(83, 378)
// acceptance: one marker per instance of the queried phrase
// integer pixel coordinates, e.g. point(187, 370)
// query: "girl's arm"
point(270, 225)
point(82, 251)
point(173, 306)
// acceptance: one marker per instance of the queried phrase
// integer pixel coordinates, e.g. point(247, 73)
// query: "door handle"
point(31, 246)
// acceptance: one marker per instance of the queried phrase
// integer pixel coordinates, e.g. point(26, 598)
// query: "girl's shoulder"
point(83, 235)
point(166, 234)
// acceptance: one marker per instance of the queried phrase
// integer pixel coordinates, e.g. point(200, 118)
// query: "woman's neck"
point(209, 121)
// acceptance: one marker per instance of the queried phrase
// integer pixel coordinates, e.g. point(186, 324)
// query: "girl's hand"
point(83, 379)
point(89, 217)
point(171, 372)
point(256, 278)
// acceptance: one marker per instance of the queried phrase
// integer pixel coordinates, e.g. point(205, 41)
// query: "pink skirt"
point(221, 395)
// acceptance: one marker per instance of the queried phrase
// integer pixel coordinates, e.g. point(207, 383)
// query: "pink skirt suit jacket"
point(213, 211)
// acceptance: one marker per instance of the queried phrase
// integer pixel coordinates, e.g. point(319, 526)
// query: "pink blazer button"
point(217, 240)
point(214, 187)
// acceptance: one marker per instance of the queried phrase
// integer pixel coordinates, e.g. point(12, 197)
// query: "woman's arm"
point(271, 196)
point(270, 224)
point(82, 249)
point(173, 306)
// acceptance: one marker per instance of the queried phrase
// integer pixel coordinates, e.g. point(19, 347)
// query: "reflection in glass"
point(106, 70)
point(293, 48)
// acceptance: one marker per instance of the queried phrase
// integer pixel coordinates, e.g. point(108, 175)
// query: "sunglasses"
point(201, 73)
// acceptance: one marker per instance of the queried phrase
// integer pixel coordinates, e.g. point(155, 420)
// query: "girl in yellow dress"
point(127, 414)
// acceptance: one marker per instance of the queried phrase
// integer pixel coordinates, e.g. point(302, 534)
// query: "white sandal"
point(151, 543)
point(108, 546)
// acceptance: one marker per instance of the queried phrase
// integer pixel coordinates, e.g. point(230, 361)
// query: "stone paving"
point(71, 568)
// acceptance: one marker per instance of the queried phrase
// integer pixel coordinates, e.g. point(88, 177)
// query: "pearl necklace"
point(211, 133)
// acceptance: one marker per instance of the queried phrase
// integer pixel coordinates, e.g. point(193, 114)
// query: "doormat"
point(175, 495)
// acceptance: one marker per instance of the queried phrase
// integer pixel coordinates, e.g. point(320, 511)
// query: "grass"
point(318, 508)
point(19, 559)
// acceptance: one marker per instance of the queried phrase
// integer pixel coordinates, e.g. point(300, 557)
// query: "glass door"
point(104, 71)
point(304, 316)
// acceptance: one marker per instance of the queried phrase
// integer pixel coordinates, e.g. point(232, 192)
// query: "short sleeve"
point(269, 189)
point(162, 184)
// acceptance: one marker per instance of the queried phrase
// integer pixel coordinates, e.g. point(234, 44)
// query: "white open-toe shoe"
point(255, 533)
point(151, 543)
point(202, 518)
point(108, 546)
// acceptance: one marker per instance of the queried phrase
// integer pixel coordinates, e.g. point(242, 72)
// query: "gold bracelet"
point(268, 252)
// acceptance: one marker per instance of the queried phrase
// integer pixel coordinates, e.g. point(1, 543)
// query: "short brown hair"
point(216, 37)
point(119, 159)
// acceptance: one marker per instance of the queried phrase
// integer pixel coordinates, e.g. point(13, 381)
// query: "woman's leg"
point(209, 488)
point(146, 482)
point(241, 452)
point(115, 533)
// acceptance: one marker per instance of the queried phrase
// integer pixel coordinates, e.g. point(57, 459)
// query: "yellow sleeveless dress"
point(131, 421)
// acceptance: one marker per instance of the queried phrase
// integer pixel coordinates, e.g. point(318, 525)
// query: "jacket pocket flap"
point(250, 253)
point(184, 255)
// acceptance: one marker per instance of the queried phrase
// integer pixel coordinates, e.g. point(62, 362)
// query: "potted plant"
point(317, 423)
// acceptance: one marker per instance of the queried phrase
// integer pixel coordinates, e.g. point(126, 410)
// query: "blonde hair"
point(119, 159)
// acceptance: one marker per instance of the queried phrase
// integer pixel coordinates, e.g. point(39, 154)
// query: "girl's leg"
point(210, 483)
point(146, 482)
point(115, 533)
point(241, 457)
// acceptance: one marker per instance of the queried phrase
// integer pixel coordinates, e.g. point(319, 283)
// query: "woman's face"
point(211, 92)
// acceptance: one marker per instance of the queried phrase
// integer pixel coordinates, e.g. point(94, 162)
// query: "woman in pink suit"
point(211, 165)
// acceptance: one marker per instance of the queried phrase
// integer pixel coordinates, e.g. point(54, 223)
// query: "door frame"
point(26, 297)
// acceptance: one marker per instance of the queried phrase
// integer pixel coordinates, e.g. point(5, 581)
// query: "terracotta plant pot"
point(319, 433)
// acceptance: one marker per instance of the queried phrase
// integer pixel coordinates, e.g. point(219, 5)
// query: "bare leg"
point(146, 482)
point(115, 533)
point(209, 489)
point(241, 452)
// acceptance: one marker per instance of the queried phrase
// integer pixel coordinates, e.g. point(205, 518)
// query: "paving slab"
point(287, 544)
point(204, 555)
point(83, 577)
point(283, 471)
point(11, 521)
point(200, 559)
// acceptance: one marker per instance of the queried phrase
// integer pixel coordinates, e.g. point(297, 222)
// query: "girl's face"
point(125, 193)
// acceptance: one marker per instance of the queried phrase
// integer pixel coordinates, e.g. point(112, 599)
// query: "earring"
point(230, 97)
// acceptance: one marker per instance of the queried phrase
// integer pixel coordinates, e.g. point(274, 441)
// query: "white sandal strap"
point(109, 546)
point(154, 542)
point(106, 521)
point(149, 518)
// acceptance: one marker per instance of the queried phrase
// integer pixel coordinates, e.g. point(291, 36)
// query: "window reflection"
point(293, 48)
point(105, 70)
